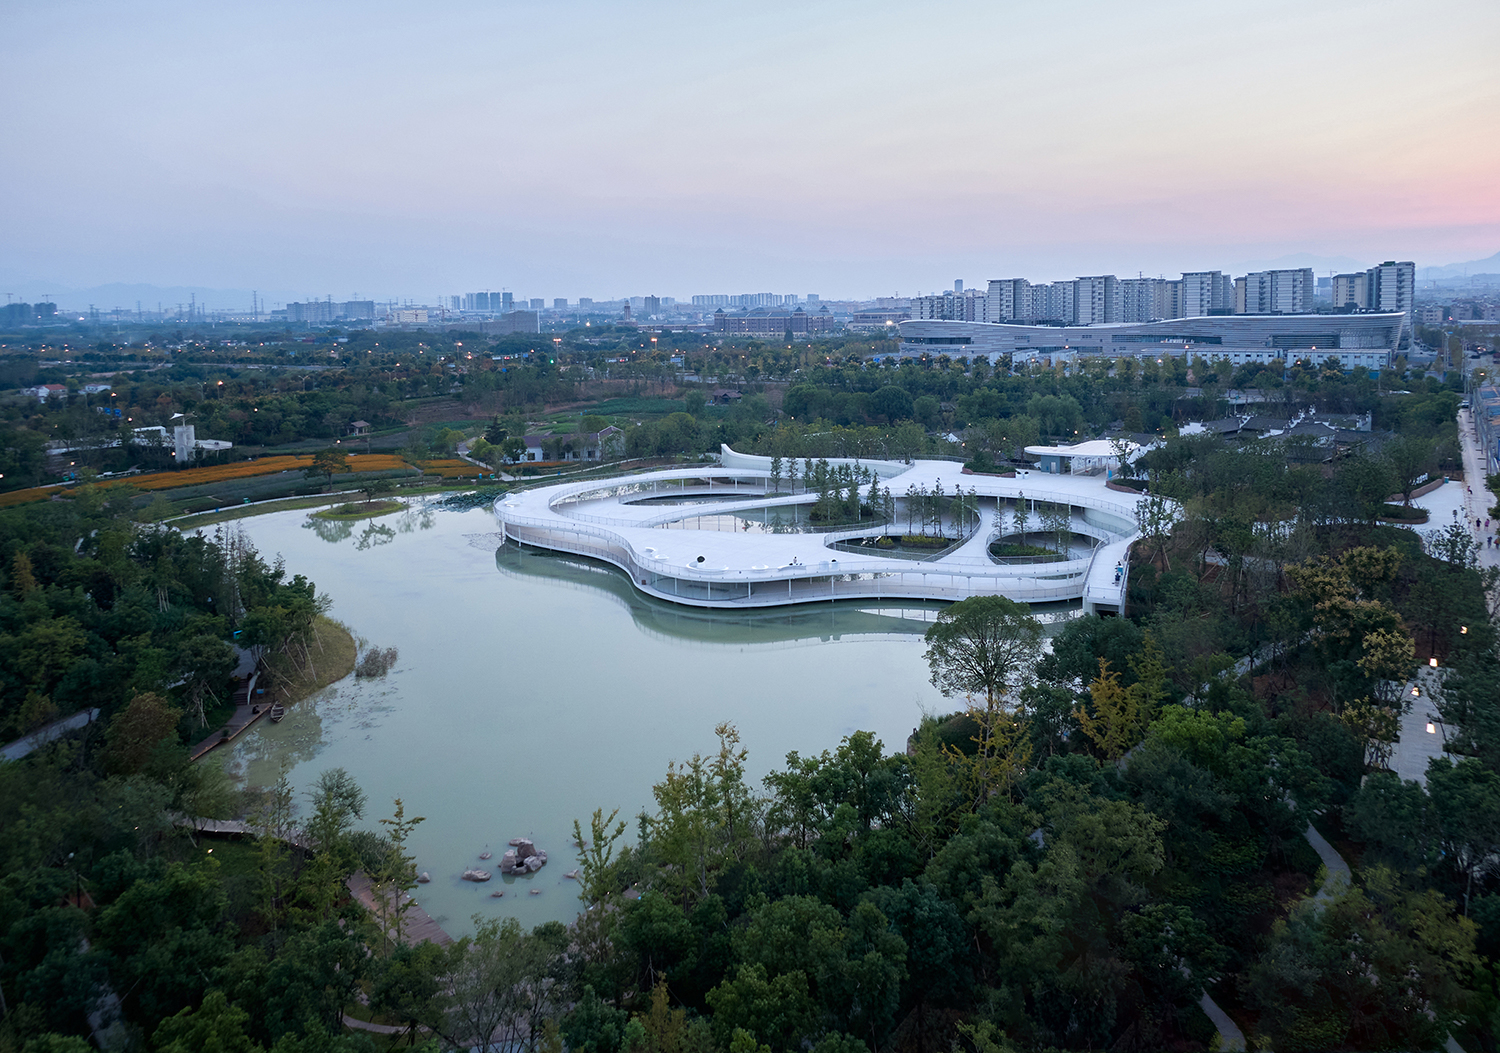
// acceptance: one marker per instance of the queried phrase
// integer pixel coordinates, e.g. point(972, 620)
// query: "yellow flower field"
point(218, 473)
point(364, 462)
point(21, 497)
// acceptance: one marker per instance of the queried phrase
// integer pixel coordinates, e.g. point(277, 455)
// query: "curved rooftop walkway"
point(625, 521)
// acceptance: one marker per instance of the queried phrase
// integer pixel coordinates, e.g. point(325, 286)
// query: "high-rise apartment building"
point(1351, 291)
point(1008, 300)
point(651, 305)
point(559, 303)
point(957, 304)
point(1205, 293)
point(1054, 302)
point(507, 302)
point(485, 302)
point(1096, 300)
point(1138, 299)
point(1390, 287)
point(1275, 292)
point(538, 302)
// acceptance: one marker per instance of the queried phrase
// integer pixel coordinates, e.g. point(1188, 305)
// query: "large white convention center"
point(745, 533)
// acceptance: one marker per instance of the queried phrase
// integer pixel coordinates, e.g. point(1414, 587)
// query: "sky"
point(852, 149)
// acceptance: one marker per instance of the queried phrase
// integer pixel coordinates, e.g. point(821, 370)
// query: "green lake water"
point(532, 689)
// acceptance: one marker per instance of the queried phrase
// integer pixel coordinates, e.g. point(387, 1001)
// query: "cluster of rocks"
point(523, 857)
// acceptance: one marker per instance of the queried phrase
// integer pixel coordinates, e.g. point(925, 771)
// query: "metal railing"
point(591, 535)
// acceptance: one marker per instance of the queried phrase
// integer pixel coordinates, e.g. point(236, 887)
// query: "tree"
point(1377, 967)
point(1466, 802)
point(409, 986)
point(326, 463)
point(272, 823)
point(136, 732)
point(984, 645)
point(398, 874)
point(1021, 521)
point(703, 821)
point(202, 663)
point(376, 488)
point(1365, 482)
point(1120, 714)
point(216, 1026)
point(1057, 520)
point(892, 403)
point(1410, 457)
point(486, 979)
point(595, 852)
point(337, 801)
point(1158, 517)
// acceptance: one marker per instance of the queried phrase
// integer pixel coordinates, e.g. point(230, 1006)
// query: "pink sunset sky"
point(851, 149)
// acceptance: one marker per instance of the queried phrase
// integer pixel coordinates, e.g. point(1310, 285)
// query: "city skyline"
point(857, 150)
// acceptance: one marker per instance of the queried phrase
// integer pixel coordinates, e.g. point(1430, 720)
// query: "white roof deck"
point(735, 568)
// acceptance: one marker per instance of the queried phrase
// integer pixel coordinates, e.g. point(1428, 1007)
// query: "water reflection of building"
point(738, 559)
point(779, 626)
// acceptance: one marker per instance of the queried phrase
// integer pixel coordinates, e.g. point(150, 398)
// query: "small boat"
point(277, 712)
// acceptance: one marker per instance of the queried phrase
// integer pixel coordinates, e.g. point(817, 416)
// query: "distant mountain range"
point(125, 295)
point(1461, 270)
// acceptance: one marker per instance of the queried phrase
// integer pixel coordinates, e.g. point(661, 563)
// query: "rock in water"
point(476, 875)
point(524, 848)
point(485, 854)
point(423, 878)
point(497, 893)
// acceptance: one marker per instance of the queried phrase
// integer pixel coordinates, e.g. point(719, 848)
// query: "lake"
point(533, 688)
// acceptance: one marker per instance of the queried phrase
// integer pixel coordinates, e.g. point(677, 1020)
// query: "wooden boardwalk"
point(419, 924)
point(246, 712)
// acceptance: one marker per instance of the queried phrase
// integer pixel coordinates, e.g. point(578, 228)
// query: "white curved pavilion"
point(668, 553)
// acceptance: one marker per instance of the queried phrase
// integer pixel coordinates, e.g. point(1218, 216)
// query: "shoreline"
point(334, 659)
